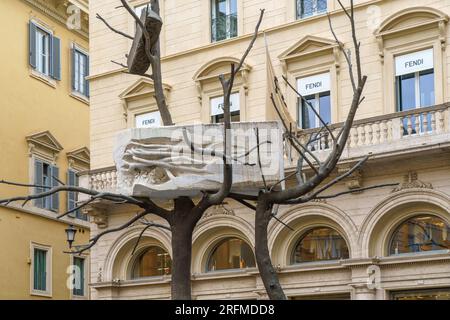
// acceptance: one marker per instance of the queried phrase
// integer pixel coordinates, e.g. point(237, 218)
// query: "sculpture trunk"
point(182, 223)
point(267, 272)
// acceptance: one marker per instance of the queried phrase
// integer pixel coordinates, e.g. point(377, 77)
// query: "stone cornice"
point(52, 13)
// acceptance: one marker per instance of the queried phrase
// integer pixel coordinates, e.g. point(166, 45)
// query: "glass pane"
point(308, 116)
point(426, 84)
point(320, 244)
point(325, 107)
point(223, 19)
point(78, 288)
point(155, 261)
point(231, 253)
point(233, 6)
point(432, 294)
point(235, 117)
point(406, 92)
point(423, 233)
point(321, 5)
point(40, 270)
point(306, 8)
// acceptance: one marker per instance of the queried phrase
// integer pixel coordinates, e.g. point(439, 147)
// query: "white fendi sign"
point(148, 120)
point(314, 84)
point(414, 62)
point(217, 104)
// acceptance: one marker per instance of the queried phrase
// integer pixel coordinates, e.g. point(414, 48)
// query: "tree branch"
point(113, 29)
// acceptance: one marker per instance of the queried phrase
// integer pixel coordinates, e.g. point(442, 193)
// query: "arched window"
point(154, 261)
point(231, 253)
point(421, 233)
point(320, 244)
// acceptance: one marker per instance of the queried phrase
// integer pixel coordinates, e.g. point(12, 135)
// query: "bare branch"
point(357, 190)
point(24, 185)
point(113, 29)
point(147, 225)
point(94, 240)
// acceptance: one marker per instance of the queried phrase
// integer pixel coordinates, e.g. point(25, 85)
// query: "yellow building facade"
point(387, 243)
point(44, 137)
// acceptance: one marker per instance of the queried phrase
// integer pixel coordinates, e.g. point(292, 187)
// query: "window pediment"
point(211, 71)
point(309, 47)
point(79, 159)
point(141, 88)
point(44, 144)
point(410, 20)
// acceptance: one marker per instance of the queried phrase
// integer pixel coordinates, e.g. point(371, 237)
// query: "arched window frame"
point(135, 259)
point(218, 243)
point(396, 228)
point(304, 233)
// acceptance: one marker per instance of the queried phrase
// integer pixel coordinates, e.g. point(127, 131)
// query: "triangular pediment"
point(82, 154)
point(142, 86)
point(307, 46)
point(45, 140)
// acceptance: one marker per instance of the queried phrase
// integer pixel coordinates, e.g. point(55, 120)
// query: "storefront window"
point(419, 234)
point(154, 261)
point(435, 294)
point(231, 253)
point(320, 244)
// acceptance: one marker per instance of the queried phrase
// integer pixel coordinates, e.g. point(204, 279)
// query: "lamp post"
point(70, 233)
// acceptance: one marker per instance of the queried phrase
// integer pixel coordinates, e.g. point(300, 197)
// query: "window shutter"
point(32, 44)
point(38, 180)
point(87, 74)
point(71, 201)
point(55, 62)
point(54, 183)
point(72, 56)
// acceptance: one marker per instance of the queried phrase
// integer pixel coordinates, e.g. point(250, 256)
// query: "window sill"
point(43, 78)
point(80, 97)
point(41, 294)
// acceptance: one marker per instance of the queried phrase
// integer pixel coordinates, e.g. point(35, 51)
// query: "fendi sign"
point(414, 62)
point(148, 120)
point(314, 84)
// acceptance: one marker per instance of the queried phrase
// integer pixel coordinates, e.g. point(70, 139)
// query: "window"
point(40, 270)
point(415, 85)
point(217, 108)
point(320, 244)
point(72, 197)
point(78, 279)
point(45, 177)
point(44, 51)
point(308, 8)
point(223, 19)
point(316, 92)
point(154, 261)
point(422, 295)
point(80, 70)
point(231, 253)
point(148, 120)
point(419, 234)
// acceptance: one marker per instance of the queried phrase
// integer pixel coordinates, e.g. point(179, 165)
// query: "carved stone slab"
point(160, 162)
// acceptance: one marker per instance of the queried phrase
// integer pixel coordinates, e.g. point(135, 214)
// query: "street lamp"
point(70, 233)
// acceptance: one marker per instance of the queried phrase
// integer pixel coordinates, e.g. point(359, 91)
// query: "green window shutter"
point(38, 180)
point(54, 183)
point(87, 74)
point(55, 61)
point(40, 270)
point(71, 199)
point(32, 44)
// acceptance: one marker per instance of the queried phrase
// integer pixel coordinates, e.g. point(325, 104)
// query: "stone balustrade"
point(384, 134)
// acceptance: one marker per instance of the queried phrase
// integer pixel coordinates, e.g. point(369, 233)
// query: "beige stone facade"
point(402, 151)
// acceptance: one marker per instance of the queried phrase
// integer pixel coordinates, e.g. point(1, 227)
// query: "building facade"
point(44, 120)
point(387, 243)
